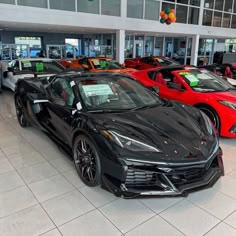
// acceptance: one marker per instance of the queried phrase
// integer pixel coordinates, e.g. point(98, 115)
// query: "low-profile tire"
point(212, 114)
point(87, 161)
point(21, 117)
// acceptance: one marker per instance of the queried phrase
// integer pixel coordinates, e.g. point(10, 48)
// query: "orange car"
point(95, 64)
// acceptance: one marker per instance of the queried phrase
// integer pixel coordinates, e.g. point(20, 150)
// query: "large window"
point(228, 6)
point(7, 1)
point(110, 7)
point(88, 6)
point(194, 2)
point(33, 3)
point(193, 15)
point(207, 17)
point(135, 8)
point(226, 20)
point(68, 5)
point(181, 13)
point(233, 22)
point(217, 19)
point(152, 7)
point(209, 4)
point(219, 5)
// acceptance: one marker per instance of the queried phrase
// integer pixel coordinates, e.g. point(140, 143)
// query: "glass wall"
point(151, 9)
point(33, 3)
point(219, 13)
point(88, 6)
point(205, 51)
point(158, 48)
point(68, 5)
point(110, 7)
point(7, 1)
point(135, 9)
point(187, 11)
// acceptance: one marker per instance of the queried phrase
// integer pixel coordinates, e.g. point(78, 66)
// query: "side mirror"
point(155, 89)
point(5, 73)
point(10, 69)
point(85, 66)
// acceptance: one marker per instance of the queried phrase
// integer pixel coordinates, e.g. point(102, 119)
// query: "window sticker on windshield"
point(26, 64)
point(193, 80)
point(39, 66)
point(204, 76)
point(97, 90)
point(103, 64)
point(184, 73)
point(159, 60)
point(96, 62)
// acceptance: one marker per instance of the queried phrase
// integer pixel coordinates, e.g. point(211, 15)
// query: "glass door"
point(138, 48)
point(169, 47)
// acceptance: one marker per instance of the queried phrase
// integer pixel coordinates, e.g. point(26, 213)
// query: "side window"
point(61, 89)
point(144, 60)
point(86, 62)
point(150, 61)
point(152, 75)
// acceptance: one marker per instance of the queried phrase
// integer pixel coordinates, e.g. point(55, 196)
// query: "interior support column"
point(120, 46)
point(194, 51)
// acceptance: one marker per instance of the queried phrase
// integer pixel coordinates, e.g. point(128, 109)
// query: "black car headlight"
point(129, 143)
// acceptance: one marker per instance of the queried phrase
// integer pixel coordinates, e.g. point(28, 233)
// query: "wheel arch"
point(199, 105)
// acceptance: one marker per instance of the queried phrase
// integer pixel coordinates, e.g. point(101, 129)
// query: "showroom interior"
point(41, 193)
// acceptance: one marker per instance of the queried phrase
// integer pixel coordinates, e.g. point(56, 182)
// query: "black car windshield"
point(205, 81)
point(105, 64)
point(166, 61)
point(115, 93)
point(43, 66)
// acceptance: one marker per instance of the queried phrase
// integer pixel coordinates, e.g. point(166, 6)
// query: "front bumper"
point(141, 179)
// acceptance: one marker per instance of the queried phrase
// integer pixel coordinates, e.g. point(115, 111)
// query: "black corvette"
point(121, 135)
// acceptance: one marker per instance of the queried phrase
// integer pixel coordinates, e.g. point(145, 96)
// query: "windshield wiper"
point(228, 89)
point(109, 111)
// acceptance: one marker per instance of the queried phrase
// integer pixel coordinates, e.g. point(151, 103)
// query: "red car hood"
point(228, 95)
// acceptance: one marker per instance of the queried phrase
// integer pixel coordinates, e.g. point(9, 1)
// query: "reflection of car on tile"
point(121, 135)
point(27, 68)
point(200, 88)
point(96, 64)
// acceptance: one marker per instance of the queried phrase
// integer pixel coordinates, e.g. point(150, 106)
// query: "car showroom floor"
point(40, 194)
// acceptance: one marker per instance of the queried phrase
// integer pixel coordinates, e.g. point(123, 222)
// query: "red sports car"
point(149, 62)
point(200, 88)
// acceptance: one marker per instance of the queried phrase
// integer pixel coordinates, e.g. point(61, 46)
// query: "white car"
point(28, 68)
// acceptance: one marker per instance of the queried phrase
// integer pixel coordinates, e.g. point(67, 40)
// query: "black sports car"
point(121, 135)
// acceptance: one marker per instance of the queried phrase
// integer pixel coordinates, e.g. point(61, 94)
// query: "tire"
point(21, 117)
point(212, 114)
point(87, 161)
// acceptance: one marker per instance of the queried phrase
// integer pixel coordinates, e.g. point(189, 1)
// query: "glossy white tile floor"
point(40, 194)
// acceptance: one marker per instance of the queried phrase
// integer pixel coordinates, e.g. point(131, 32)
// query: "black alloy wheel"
point(213, 116)
point(20, 112)
point(87, 161)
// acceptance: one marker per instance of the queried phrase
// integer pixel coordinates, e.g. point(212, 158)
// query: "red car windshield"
point(104, 64)
point(205, 81)
point(166, 61)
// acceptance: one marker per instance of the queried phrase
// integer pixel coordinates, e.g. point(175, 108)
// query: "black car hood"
point(178, 130)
